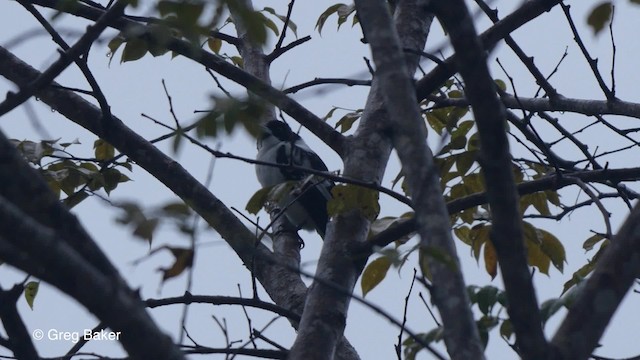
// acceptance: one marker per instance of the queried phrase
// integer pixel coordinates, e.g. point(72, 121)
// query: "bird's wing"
point(314, 200)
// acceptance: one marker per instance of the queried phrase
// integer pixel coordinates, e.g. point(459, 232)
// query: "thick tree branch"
point(433, 224)
point(550, 182)
point(171, 174)
point(495, 160)
point(615, 273)
point(325, 311)
point(286, 244)
point(18, 335)
point(560, 104)
point(54, 260)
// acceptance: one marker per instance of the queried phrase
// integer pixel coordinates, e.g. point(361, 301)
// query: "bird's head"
point(276, 131)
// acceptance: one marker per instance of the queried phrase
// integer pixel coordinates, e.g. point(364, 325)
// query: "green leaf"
point(464, 161)
point(325, 15)
point(269, 23)
point(374, 273)
point(135, 49)
point(600, 16)
point(290, 24)
point(412, 347)
point(506, 329)
point(115, 43)
point(434, 120)
point(145, 228)
point(177, 209)
point(487, 297)
point(113, 177)
point(30, 292)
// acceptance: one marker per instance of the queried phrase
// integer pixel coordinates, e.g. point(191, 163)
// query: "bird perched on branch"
point(305, 206)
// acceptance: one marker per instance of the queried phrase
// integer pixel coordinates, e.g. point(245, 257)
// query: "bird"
point(305, 206)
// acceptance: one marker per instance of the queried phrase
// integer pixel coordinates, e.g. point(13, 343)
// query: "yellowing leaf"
point(592, 241)
point(374, 273)
point(352, 197)
point(30, 292)
point(535, 256)
point(506, 329)
point(214, 44)
point(184, 260)
point(103, 150)
point(238, 61)
point(553, 248)
point(479, 236)
point(462, 233)
point(490, 259)
point(539, 201)
point(258, 200)
point(553, 197)
point(346, 122)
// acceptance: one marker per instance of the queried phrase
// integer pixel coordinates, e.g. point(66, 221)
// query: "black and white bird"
point(278, 144)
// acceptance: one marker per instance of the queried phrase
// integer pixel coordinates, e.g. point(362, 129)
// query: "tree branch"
point(525, 13)
point(18, 335)
point(495, 160)
point(56, 262)
point(614, 274)
point(433, 224)
point(324, 317)
point(324, 131)
point(66, 58)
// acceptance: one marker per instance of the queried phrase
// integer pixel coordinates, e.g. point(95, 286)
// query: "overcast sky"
point(134, 88)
